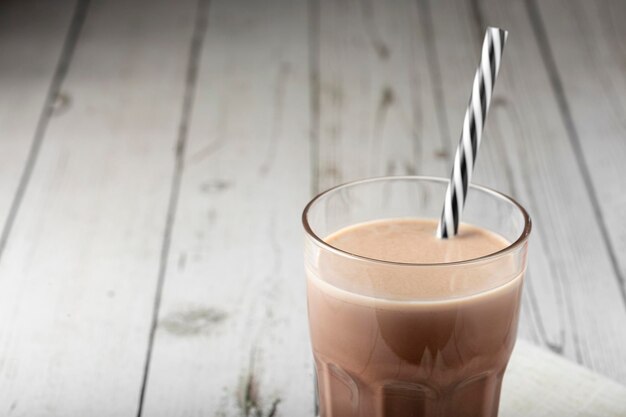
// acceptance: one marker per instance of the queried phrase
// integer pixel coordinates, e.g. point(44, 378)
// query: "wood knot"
point(61, 104)
point(192, 322)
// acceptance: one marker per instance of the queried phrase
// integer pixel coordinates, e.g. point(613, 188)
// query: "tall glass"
point(379, 354)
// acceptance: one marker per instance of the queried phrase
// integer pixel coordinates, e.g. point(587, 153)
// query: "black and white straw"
point(473, 124)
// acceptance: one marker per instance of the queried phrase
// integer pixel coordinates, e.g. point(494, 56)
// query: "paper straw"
point(475, 116)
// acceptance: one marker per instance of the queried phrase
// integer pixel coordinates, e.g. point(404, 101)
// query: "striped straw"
point(475, 116)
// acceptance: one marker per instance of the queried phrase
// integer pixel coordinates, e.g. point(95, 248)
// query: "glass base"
point(337, 394)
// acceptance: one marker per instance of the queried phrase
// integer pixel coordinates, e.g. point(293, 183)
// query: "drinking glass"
point(379, 353)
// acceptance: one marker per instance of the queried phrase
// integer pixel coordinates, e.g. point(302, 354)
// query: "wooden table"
point(155, 157)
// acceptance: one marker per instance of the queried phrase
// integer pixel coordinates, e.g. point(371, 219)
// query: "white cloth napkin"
point(539, 383)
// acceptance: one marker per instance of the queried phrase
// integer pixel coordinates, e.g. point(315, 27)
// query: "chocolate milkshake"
point(392, 338)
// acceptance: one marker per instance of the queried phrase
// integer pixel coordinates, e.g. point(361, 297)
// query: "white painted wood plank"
point(78, 276)
point(378, 93)
point(539, 383)
point(232, 323)
point(587, 41)
point(32, 35)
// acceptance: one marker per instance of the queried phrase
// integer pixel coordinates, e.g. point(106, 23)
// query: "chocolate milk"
point(398, 340)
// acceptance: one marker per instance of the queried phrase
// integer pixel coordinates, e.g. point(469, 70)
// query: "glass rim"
point(522, 238)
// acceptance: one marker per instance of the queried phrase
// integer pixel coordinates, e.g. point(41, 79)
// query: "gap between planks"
point(191, 78)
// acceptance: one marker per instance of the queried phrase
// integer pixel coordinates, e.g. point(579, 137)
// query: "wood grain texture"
point(33, 36)
point(379, 87)
point(155, 157)
point(586, 41)
point(78, 275)
point(232, 338)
